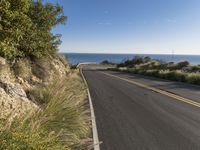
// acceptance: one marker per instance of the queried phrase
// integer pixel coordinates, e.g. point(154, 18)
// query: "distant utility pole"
point(172, 55)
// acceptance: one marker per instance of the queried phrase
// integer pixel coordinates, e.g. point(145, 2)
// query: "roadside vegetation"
point(106, 62)
point(62, 122)
point(181, 71)
point(25, 28)
point(29, 49)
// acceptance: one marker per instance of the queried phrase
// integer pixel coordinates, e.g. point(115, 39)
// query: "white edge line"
point(94, 126)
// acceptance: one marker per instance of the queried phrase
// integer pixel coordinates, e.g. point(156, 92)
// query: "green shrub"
point(171, 75)
point(193, 78)
point(163, 73)
point(182, 64)
point(182, 71)
point(25, 28)
point(153, 73)
point(141, 71)
point(132, 62)
point(21, 136)
point(132, 70)
point(180, 76)
point(106, 62)
point(146, 59)
point(114, 69)
point(123, 69)
point(13, 24)
point(192, 69)
point(74, 66)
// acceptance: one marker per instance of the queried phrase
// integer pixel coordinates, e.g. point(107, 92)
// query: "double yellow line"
point(174, 96)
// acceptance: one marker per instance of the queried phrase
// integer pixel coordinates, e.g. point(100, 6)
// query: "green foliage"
point(193, 78)
point(181, 71)
point(25, 28)
point(147, 59)
point(22, 136)
point(106, 62)
point(182, 64)
point(13, 21)
point(154, 73)
point(131, 62)
point(180, 76)
point(173, 75)
point(74, 66)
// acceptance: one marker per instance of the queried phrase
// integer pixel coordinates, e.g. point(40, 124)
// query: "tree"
point(13, 21)
point(25, 28)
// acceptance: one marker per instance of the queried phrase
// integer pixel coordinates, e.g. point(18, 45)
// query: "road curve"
point(130, 117)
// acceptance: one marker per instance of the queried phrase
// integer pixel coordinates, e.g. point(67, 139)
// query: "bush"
point(13, 24)
point(131, 63)
point(163, 73)
point(147, 59)
point(193, 78)
point(132, 70)
point(181, 71)
point(106, 62)
point(21, 136)
point(180, 76)
point(114, 69)
point(141, 71)
point(25, 28)
point(73, 66)
point(196, 68)
point(183, 64)
point(154, 73)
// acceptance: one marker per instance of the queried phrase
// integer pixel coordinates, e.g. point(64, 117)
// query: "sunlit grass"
point(61, 123)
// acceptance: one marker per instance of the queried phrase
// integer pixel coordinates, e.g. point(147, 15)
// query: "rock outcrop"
point(24, 75)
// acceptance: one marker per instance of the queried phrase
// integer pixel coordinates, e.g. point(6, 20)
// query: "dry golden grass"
point(61, 123)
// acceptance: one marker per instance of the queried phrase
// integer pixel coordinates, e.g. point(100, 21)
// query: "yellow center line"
point(174, 96)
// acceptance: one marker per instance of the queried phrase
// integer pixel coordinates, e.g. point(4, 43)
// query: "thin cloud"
point(171, 20)
point(104, 23)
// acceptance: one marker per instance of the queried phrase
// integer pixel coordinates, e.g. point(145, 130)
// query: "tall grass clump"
point(180, 76)
point(61, 123)
point(152, 73)
point(193, 78)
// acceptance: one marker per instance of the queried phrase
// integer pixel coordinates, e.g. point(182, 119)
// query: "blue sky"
point(130, 26)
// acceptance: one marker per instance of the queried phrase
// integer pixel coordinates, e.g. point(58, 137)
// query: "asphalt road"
point(130, 117)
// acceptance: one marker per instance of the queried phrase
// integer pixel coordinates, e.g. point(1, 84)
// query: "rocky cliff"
point(20, 77)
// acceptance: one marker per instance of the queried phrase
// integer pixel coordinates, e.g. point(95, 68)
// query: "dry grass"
point(22, 69)
point(62, 123)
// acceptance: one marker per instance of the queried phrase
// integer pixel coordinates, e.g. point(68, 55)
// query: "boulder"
point(2, 61)
point(14, 90)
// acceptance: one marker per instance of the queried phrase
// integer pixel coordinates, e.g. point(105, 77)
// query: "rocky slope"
point(20, 77)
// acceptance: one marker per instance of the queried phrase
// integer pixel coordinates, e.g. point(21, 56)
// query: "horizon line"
point(126, 53)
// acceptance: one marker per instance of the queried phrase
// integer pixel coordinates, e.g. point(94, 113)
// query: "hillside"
point(44, 93)
point(42, 102)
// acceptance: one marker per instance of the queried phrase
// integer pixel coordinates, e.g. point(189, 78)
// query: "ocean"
point(75, 58)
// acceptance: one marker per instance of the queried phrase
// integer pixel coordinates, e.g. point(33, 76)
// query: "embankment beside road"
point(43, 105)
point(182, 71)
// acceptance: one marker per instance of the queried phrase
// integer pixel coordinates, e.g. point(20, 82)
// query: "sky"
point(130, 26)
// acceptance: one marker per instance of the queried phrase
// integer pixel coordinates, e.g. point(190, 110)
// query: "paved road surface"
point(133, 118)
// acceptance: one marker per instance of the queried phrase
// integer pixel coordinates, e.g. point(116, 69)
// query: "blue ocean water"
point(75, 58)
